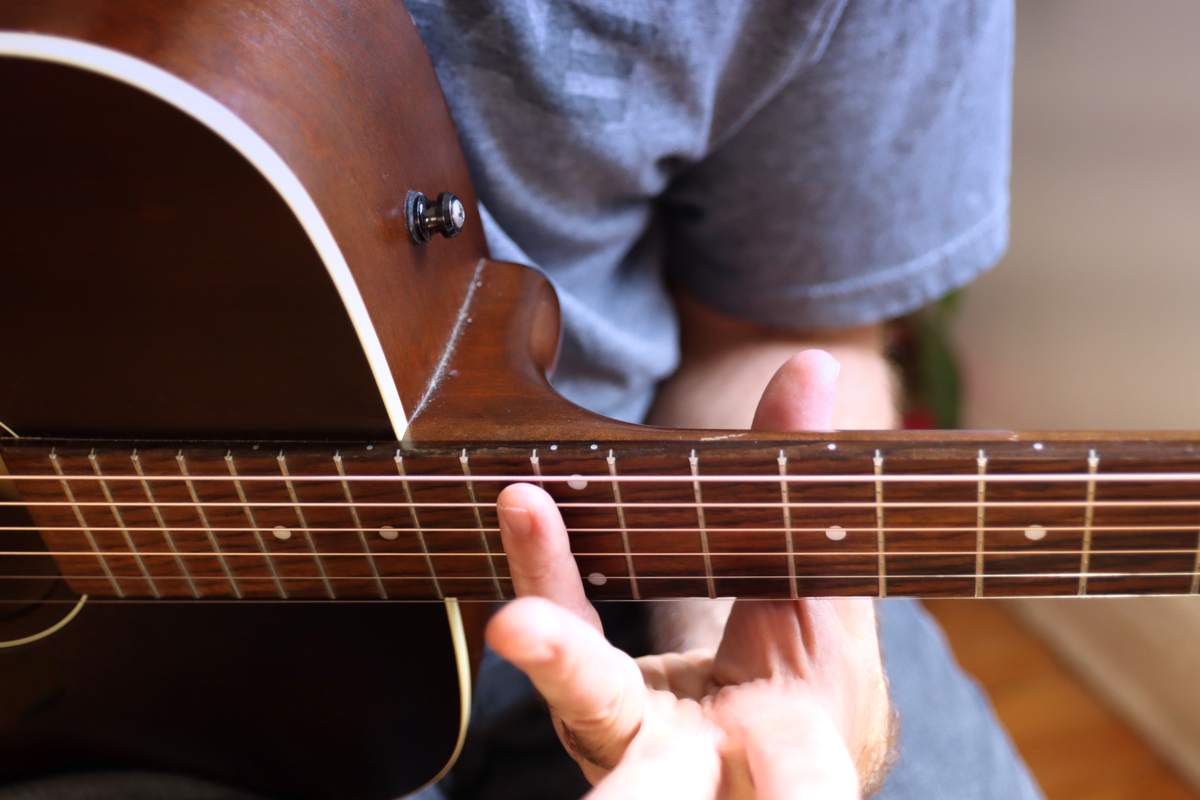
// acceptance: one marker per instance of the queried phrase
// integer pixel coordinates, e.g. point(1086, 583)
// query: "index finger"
point(539, 551)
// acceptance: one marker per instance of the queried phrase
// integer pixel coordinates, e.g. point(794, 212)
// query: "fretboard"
point(762, 517)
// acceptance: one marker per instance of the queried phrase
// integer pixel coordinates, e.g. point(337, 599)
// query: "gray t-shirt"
point(804, 163)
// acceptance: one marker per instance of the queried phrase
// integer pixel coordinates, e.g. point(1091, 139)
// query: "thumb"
point(801, 395)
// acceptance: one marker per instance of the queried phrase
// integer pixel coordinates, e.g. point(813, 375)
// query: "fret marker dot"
point(577, 482)
point(1038, 446)
point(553, 447)
point(389, 533)
point(594, 447)
point(597, 579)
point(281, 533)
point(1035, 533)
point(835, 533)
point(831, 446)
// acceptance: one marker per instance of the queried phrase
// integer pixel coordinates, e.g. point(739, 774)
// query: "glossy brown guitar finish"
point(235, 410)
point(157, 284)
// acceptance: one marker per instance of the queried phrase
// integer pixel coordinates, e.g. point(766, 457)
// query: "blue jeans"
point(951, 745)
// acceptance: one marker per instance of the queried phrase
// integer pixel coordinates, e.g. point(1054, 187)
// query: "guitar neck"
point(733, 514)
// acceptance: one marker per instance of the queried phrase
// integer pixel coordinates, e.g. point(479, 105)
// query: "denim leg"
point(951, 745)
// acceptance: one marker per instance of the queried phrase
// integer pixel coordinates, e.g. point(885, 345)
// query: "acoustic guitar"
point(262, 384)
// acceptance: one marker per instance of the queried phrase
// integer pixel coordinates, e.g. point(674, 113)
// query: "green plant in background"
point(923, 352)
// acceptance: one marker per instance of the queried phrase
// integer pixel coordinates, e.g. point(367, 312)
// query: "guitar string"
point(13, 529)
point(741, 577)
point(800, 504)
point(305, 554)
point(972, 478)
point(861, 576)
point(1020, 592)
point(821, 479)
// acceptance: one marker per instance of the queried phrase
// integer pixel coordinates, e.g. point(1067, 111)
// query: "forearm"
point(727, 363)
point(725, 366)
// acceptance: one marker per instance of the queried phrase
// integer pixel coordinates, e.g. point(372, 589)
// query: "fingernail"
point(826, 364)
point(515, 520)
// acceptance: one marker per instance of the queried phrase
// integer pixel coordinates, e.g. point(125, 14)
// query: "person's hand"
point(790, 703)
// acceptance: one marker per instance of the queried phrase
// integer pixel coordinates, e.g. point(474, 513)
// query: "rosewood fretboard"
point(751, 516)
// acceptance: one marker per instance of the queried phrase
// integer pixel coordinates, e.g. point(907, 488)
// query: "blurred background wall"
point(1093, 318)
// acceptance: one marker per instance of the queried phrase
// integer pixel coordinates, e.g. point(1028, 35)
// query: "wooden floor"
point(1075, 746)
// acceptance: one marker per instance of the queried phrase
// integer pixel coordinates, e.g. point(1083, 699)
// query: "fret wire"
point(616, 487)
point(250, 517)
point(212, 538)
point(536, 464)
point(120, 520)
point(1016, 477)
point(412, 510)
point(158, 517)
point(487, 550)
point(312, 544)
point(83, 526)
point(880, 536)
point(1195, 589)
point(694, 465)
point(981, 464)
point(362, 537)
point(787, 523)
point(1089, 511)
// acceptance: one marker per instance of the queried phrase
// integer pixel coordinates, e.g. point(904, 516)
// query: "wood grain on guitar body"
point(251, 411)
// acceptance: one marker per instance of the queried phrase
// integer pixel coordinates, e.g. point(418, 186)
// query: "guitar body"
point(307, 700)
point(203, 238)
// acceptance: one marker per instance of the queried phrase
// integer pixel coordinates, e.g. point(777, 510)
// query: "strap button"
point(447, 216)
